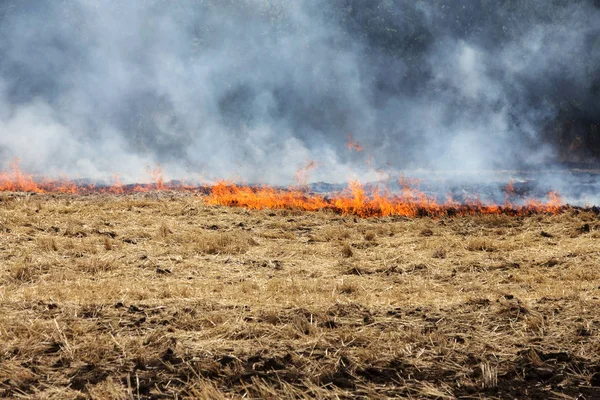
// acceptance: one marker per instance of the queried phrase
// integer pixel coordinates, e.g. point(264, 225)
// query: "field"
point(159, 295)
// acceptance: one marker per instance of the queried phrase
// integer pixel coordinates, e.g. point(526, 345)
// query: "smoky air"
point(252, 89)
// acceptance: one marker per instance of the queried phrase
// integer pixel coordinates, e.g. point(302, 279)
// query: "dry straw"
point(160, 296)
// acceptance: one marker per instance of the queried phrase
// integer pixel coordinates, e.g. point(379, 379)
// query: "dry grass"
point(347, 250)
point(160, 296)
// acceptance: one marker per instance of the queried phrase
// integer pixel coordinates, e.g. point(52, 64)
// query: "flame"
point(157, 177)
point(14, 180)
point(303, 173)
point(357, 199)
point(353, 145)
point(509, 191)
point(363, 201)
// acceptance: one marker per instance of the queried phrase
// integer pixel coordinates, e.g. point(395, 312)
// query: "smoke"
point(251, 89)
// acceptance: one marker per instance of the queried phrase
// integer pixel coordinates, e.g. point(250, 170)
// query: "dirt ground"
point(161, 296)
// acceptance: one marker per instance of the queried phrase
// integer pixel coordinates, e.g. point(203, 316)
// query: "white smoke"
point(252, 89)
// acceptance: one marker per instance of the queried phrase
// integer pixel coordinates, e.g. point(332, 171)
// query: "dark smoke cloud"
point(254, 88)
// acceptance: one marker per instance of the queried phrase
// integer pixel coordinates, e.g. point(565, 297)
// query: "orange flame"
point(363, 202)
point(14, 180)
point(157, 177)
point(116, 187)
point(357, 199)
point(353, 145)
point(303, 173)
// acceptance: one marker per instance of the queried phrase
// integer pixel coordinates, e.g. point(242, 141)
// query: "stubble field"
point(161, 296)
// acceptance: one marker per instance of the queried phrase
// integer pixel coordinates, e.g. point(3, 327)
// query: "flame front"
point(364, 202)
point(14, 180)
point(357, 199)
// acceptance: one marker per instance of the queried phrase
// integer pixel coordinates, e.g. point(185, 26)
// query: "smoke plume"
point(251, 89)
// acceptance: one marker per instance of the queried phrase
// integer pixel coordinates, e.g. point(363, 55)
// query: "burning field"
point(378, 199)
point(354, 198)
point(420, 288)
point(164, 294)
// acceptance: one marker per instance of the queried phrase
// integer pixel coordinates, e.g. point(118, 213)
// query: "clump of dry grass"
point(426, 232)
point(330, 233)
point(96, 265)
point(347, 250)
point(23, 272)
point(164, 231)
point(222, 242)
point(109, 389)
point(27, 270)
point(48, 244)
point(440, 252)
point(107, 244)
point(347, 287)
point(489, 376)
point(370, 236)
point(481, 244)
point(278, 234)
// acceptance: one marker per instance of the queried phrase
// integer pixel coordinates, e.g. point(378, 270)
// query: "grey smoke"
point(251, 89)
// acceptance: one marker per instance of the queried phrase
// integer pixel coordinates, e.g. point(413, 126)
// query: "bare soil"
point(161, 296)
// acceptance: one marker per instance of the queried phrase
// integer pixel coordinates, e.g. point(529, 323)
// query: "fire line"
point(357, 199)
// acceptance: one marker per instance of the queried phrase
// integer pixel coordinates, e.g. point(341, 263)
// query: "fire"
point(157, 177)
point(357, 199)
point(14, 180)
point(117, 186)
point(230, 194)
point(363, 201)
point(303, 173)
point(353, 145)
